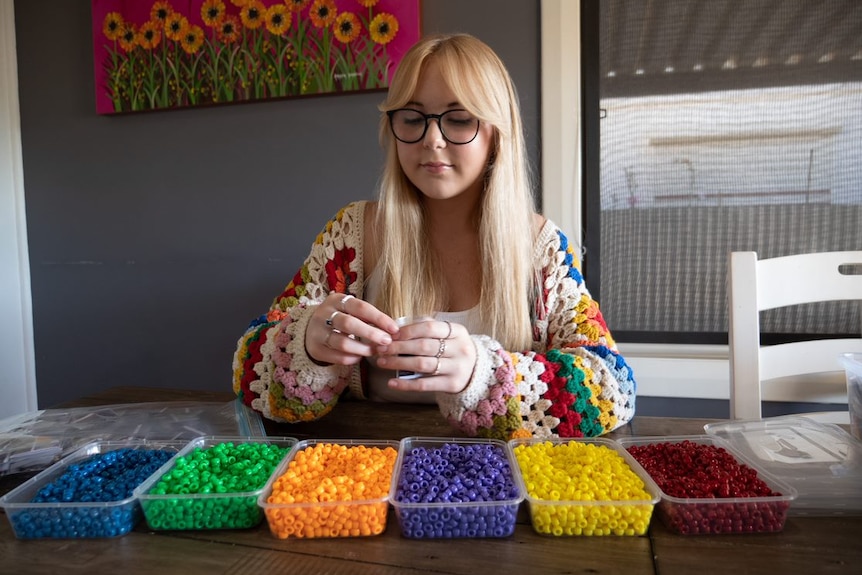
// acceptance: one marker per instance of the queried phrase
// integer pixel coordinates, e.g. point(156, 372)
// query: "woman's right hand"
point(441, 350)
point(344, 329)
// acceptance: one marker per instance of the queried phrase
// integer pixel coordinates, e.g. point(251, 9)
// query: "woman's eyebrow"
point(455, 104)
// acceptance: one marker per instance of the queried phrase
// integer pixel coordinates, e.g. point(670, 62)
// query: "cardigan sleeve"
point(573, 383)
point(272, 373)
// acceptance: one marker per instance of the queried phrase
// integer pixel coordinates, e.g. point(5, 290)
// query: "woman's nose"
point(434, 134)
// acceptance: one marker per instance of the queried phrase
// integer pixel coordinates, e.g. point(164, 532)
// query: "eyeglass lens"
point(457, 126)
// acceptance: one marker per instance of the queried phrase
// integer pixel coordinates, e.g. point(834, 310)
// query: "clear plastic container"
point(852, 363)
point(692, 515)
point(76, 519)
point(565, 517)
point(457, 519)
point(32, 441)
point(196, 510)
point(820, 460)
point(353, 517)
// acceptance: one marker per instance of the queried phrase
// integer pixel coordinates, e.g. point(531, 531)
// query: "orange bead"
point(325, 473)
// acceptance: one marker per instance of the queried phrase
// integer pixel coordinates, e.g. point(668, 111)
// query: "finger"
point(343, 303)
point(448, 328)
point(344, 348)
point(361, 329)
point(405, 344)
point(428, 329)
point(367, 313)
point(421, 364)
point(330, 321)
point(420, 384)
point(422, 347)
point(400, 363)
point(434, 380)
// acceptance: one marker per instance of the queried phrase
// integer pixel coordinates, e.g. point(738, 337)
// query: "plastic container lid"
point(820, 460)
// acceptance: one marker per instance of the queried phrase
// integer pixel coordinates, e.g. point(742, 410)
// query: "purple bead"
point(457, 474)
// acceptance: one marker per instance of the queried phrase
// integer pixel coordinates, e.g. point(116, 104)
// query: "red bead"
point(687, 469)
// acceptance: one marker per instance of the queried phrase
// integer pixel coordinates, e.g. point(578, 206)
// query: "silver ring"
point(448, 335)
point(332, 317)
point(441, 350)
point(437, 369)
point(344, 301)
point(328, 335)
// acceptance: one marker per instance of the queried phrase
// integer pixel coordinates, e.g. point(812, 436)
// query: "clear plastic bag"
point(32, 441)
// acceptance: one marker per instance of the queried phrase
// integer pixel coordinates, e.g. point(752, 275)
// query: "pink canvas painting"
point(151, 55)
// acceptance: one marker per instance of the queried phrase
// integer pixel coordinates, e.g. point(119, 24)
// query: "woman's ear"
point(492, 159)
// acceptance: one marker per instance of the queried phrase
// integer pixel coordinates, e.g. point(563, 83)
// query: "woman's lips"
point(435, 167)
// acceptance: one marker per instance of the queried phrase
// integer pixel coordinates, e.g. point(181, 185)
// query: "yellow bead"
point(581, 471)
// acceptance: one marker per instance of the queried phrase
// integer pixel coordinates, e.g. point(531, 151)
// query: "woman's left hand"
point(441, 350)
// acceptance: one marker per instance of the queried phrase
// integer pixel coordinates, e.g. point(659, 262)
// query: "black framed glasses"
point(457, 126)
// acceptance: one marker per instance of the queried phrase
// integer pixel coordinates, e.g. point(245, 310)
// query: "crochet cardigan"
point(572, 383)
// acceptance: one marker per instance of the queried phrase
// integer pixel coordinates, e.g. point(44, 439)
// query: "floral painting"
point(175, 53)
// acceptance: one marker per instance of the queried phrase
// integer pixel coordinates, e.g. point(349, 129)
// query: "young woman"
point(504, 335)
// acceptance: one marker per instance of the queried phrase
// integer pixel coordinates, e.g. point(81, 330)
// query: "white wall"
point(17, 364)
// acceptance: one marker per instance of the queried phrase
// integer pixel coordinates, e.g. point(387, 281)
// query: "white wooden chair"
point(807, 371)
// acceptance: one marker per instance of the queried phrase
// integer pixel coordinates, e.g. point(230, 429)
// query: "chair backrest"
point(756, 285)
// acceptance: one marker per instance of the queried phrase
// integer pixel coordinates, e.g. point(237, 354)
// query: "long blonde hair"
point(410, 284)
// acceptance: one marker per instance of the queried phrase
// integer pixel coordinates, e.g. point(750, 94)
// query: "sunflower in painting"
point(128, 36)
point(113, 26)
point(383, 28)
point(174, 26)
point(193, 39)
point(213, 12)
point(229, 30)
point(252, 14)
point(160, 12)
point(323, 13)
point(347, 27)
point(277, 19)
point(149, 35)
point(296, 5)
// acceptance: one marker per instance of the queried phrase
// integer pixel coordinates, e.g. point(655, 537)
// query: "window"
point(714, 126)
point(684, 364)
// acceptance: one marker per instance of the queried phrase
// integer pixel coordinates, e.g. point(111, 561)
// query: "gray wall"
point(154, 238)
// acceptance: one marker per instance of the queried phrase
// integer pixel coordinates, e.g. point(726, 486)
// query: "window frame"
point(18, 386)
point(661, 370)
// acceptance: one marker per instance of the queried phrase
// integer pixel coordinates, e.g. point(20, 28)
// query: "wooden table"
point(821, 545)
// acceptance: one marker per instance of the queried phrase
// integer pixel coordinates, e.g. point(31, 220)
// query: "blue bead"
point(105, 477)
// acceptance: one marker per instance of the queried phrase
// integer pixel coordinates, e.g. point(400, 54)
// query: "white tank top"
point(378, 390)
